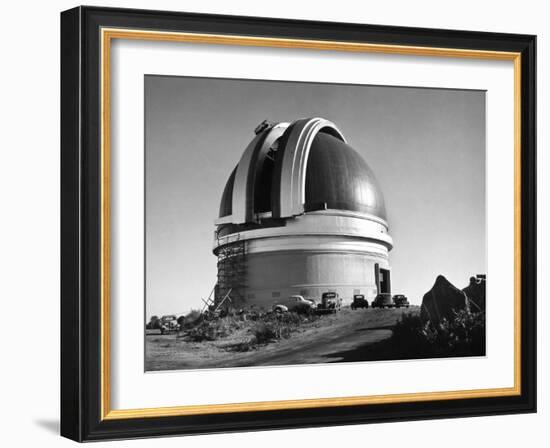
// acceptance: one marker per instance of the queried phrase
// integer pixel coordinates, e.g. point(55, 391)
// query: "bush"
point(275, 326)
point(264, 332)
point(191, 319)
point(210, 330)
point(264, 328)
point(154, 323)
point(463, 335)
point(303, 309)
point(244, 346)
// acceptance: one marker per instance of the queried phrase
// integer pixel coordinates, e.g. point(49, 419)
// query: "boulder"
point(442, 301)
point(475, 292)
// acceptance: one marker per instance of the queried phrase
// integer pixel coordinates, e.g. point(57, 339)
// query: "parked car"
point(359, 301)
point(169, 324)
point(278, 308)
point(383, 300)
point(330, 303)
point(400, 300)
point(294, 303)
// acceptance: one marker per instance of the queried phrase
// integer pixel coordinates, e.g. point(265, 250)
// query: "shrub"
point(190, 319)
point(264, 328)
point(264, 332)
point(275, 326)
point(244, 346)
point(303, 309)
point(154, 323)
point(210, 330)
point(463, 335)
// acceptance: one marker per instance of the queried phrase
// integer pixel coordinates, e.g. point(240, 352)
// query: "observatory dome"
point(301, 213)
point(336, 177)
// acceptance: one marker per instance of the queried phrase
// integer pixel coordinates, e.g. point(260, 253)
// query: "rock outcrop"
point(476, 293)
point(442, 301)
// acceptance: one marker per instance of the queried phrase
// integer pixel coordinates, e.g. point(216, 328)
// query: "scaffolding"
point(231, 274)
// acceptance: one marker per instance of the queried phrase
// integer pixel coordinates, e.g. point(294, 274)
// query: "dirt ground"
point(337, 337)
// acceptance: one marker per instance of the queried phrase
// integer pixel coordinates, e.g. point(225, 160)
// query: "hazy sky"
point(426, 147)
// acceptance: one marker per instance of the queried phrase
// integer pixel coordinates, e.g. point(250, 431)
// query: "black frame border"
point(81, 224)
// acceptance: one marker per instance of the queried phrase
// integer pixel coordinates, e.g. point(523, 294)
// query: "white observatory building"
point(301, 213)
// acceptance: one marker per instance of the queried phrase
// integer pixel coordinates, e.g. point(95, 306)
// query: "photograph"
point(276, 223)
point(294, 223)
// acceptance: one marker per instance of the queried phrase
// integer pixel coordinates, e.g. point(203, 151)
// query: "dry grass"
point(263, 329)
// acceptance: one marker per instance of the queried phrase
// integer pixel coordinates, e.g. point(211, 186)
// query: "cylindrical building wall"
point(274, 275)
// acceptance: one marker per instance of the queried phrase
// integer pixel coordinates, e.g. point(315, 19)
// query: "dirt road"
point(333, 338)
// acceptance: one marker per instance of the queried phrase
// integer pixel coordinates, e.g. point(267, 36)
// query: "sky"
point(425, 146)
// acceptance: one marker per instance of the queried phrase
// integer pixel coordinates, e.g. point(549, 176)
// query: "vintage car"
point(330, 303)
point(169, 324)
point(399, 300)
point(359, 301)
point(278, 308)
point(382, 300)
point(294, 303)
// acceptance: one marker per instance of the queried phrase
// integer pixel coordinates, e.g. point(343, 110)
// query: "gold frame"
point(107, 35)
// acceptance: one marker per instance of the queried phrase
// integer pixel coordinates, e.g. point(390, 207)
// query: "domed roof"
point(270, 175)
point(226, 204)
point(337, 177)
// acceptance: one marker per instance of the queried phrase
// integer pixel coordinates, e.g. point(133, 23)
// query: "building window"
point(356, 291)
point(303, 292)
point(251, 296)
point(275, 294)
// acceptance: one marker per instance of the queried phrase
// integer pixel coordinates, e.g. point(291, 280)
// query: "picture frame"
point(86, 37)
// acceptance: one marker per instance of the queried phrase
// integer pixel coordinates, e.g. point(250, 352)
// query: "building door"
point(382, 278)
